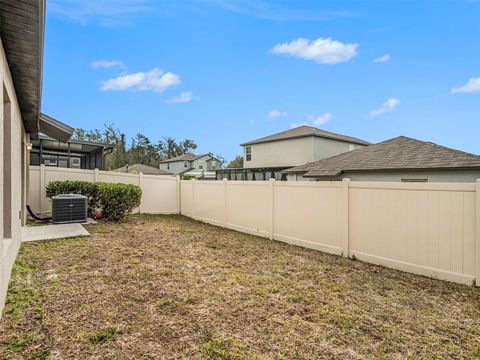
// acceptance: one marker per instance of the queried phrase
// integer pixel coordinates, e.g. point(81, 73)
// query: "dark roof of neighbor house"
point(305, 131)
point(184, 157)
point(400, 153)
point(22, 24)
point(145, 169)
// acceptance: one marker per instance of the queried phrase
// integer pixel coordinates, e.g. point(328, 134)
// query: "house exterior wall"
point(294, 152)
point(9, 246)
point(291, 152)
point(452, 176)
point(176, 167)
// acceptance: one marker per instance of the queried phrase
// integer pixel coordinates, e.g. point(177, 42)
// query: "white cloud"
point(182, 98)
point(473, 85)
point(387, 106)
point(106, 64)
point(382, 59)
point(276, 113)
point(322, 51)
point(319, 120)
point(154, 80)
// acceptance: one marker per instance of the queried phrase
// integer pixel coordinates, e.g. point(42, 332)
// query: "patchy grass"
point(170, 287)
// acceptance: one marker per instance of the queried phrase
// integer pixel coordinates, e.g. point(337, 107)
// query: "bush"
point(118, 200)
point(85, 188)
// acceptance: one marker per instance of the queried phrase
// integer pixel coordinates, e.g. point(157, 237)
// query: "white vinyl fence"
point(159, 193)
point(430, 229)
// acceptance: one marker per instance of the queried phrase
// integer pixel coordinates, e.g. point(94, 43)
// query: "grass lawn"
point(170, 287)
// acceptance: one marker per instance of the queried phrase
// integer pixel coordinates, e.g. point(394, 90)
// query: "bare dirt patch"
point(169, 287)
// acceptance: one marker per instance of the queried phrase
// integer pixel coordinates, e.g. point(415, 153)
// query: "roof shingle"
point(400, 153)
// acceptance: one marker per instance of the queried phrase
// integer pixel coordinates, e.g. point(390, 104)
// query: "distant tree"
point(236, 163)
point(141, 149)
point(171, 148)
point(220, 159)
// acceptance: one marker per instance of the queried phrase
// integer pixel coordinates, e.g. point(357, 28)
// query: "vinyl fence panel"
point(431, 229)
point(159, 193)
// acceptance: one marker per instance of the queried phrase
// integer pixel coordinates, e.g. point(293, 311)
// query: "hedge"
point(115, 200)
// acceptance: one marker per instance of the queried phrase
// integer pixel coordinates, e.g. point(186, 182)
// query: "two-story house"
point(268, 156)
point(192, 166)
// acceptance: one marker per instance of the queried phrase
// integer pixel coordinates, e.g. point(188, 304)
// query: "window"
point(200, 166)
point(168, 166)
point(415, 180)
point(214, 165)
point(248, 152)
point(185, 164)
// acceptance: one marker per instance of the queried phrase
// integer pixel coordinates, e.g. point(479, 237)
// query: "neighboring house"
point(144, 169)
point(71, 154)
point(21, 63)
point(398, 159)
point(268, 156)
point(190, 165)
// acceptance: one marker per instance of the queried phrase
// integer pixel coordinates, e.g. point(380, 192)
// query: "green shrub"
point(85, 188)
point(118, 200)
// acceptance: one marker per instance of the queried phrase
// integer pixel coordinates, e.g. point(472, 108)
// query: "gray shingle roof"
point(145, 169)
point(184, 157)
point(400, 153)
point(304, 131)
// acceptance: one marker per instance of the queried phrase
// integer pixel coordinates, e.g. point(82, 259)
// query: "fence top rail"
point(314, 184)
point(463, 187)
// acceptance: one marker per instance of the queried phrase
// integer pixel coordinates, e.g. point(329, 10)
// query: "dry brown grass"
point(169, 287)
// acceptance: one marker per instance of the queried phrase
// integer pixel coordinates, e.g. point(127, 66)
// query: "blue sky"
point(225, 72)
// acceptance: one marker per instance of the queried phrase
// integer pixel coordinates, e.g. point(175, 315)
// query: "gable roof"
point(184, 157)
point(305, 131)
point(145, 169)
point(400, 153)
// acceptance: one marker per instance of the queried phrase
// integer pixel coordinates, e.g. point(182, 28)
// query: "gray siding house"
point(398, 159)
point(191, 165)
point(266, 157)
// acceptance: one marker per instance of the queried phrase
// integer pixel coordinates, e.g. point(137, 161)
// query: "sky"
point(224, 72)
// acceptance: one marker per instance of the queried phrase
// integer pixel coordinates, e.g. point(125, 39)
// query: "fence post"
point(345, 217)
point(42, 188)
point(224, 202)
point(272, 224)
point(95, 175)
point(477, 232)
point(179, 195)
point(193, 198)
point(140, 178)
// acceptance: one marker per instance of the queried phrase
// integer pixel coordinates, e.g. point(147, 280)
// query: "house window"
point(415, 180)
point(248, 152)
point(214, 165)
point(200, 166)
point(185, 164)
point(168, 166)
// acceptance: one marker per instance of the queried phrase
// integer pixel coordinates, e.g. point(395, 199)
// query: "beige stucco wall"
point(9, 247)
point(294, 152)
point(462, 176)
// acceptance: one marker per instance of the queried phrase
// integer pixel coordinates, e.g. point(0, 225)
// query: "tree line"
point(140, 149)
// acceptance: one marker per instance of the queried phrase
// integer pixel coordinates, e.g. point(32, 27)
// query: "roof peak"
point(306, 131)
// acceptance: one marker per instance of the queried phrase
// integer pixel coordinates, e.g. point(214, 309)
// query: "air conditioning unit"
point(69, 208)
